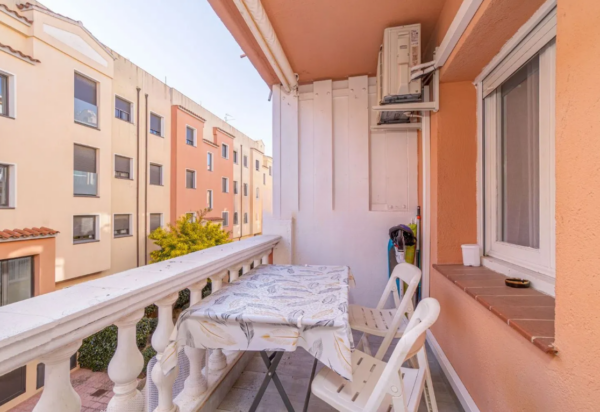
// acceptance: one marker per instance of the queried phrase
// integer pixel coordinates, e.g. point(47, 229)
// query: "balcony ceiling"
point(330, 39)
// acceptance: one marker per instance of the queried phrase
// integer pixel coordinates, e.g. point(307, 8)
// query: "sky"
point(186, 43)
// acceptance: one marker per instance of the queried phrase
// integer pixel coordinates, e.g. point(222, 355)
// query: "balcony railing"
point(85, 183)
point(86, 113)
point(51, 327)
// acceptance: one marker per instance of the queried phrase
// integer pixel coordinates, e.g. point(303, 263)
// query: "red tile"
point(534, 328)
point(546, 344)
point(489, 301)
point(524, 312)
point(482, 282)
point(502, 291)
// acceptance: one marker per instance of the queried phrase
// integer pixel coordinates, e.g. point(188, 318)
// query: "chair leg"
point(365, 344)
point(428, 390)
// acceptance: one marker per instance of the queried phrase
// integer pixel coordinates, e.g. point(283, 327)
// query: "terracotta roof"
point(22, 234)
point(16, 15)
point(18, 53)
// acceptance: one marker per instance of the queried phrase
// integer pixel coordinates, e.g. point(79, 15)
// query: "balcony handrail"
point(46, 323)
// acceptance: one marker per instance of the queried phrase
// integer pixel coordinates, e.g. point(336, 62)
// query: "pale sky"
point(188, 44)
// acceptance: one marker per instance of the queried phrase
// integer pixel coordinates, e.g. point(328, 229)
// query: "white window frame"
point(538, 265)
point(130, 225)
point(210, 164)
point(195, 138)
point(162, 124)
point(226, 181)
point(223, 214)
point(162, 171)
point(193, 216)
point(225, 146)
point(131, 166)
point(96, 229)
point(131, 108)
point(11, 80)
point(12, 185)
point(195, 177)
point(98, 101)
point(210, 199)
point(162, 221)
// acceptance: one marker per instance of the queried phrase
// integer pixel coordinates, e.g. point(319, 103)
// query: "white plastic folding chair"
point(387, 323)
point(380, 387)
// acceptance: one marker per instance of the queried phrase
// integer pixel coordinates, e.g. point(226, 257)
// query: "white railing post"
point(217, 360)
point(125, 366)
point(196, 383)
point(265, 258)
point(160, 341)
point(58, 394)
point(246, 267)
point(257, 262)
point(234, 273)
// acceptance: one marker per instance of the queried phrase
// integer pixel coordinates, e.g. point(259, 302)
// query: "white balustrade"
point(160, 341)
point(59, 394)
point(125, 366)
point(265, 258)
point(257, 262)
point(57, 322)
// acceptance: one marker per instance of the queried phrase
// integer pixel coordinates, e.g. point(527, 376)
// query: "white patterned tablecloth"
point(277, 308)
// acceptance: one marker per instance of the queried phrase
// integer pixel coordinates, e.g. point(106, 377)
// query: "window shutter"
point(122, 105)
point(121, 222)
point(85, 159)
point(155, 174)
point(85, 90)
point(122, 164)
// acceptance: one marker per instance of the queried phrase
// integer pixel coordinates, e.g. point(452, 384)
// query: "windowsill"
point(152, 184)
point(87, 125)
point(7, 207)
point(539, 281)
point(7, 116)
point(90, 196)
point(157, 135)
point(123, 178)
point(120, 236)
point(86, 241)
point(528, 311)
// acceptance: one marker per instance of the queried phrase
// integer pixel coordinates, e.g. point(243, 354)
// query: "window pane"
point(85, 90)
point(225, 151)
point(122, 167)
point(235, 155)
point(84, 228)
point(121, 225)
point(519, 166)
point(85, 182)
point(12, 384)
point(235, 218)
point(85, 159)
point(3, 95)
point(225, 216)
point(4, 185)
point(257, 163)
point(189, 179)
point(209, 161)
point(225, 185)
point(122, 109)
point(245, 217)
point(18, 274)
point(154, 221)
point(155, 174)
point(189, 136)
point(155, 124)
point(209, 201)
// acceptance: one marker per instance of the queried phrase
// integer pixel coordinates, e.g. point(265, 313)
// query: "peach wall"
point(223, 167)
point(44, 252)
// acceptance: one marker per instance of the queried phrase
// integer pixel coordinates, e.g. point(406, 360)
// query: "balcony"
point(85, 183)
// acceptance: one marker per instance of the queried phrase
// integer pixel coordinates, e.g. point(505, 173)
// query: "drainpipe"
point(146, 191)
point(137, 183)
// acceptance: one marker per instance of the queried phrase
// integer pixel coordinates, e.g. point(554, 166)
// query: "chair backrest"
point(411, 276)
point(411, 343)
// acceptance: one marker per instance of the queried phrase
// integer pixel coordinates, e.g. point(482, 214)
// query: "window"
point(209, 162)
point(86, 104)
point(85, 229)
point(235, 187)
point(122, 225)
point(270, 171)
point(5, 186)
point(190, 136)
point(235, 218)
point(235, 157)
point(245, 218)
point(225, 216)
point(245, 161)
point(209, 199)
point(257, 193)
point(156, 177)
point(122, 109)
point(190, 179)
point(225, 185)
point(191, 217)
point(123, 167)
point(85, 178)
point(156, 124)
point(225, 151)
point(3, 95)
point(13, 384)
point(155, 221)
point(245, 189)
point(16, 279)
point(257, 165)
point(264, 179)
point(519, 158)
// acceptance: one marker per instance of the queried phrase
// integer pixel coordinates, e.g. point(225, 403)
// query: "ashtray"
point(517, 283)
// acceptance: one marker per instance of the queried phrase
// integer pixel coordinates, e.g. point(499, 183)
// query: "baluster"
point(257, 262)
point(58, 394)
point(265, 258)
point(246, 267)
point(217, 360)
point(196, 383)
point(234, 273)
point(125, 366)
point(160, 341)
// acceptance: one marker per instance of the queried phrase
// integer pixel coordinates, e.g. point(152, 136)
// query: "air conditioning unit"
point(400, 51)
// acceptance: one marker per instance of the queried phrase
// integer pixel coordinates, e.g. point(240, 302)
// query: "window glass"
point(225, 216)
point(190, 177)
point(225, 185)
point(257, 192)
point(519, 184)
point(16, 280)
point(209, 162)
point(235, 218)
point(4, 182)
point(269, 170)
point(235, 156)
point(209, 199)
point(245, 189)
point(86, 110)
point(155, 175)
point(257, 164)
point(85, 179)
point(122, 109)
point(225, 151)
point(235, 187)
point(155, 220)
point(12, 384)
point(122, 167)
point(121, 227)
point(155, 124)
point(264, 178)
point(245, 217)
point(3, 95)
point(189, 136)
point(245, 161)
point(84, 228)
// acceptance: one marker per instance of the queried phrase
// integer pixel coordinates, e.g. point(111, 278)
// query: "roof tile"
point(26, 233)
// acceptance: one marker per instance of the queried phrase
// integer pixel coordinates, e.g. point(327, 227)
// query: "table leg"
point(308, 392)
point(271, 362)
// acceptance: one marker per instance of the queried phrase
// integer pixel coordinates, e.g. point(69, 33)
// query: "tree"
point(187, 236)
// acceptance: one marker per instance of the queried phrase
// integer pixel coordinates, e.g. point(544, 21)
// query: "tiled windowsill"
point(529, 312)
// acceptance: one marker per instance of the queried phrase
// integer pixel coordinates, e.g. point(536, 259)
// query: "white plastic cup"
point(471, 255)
